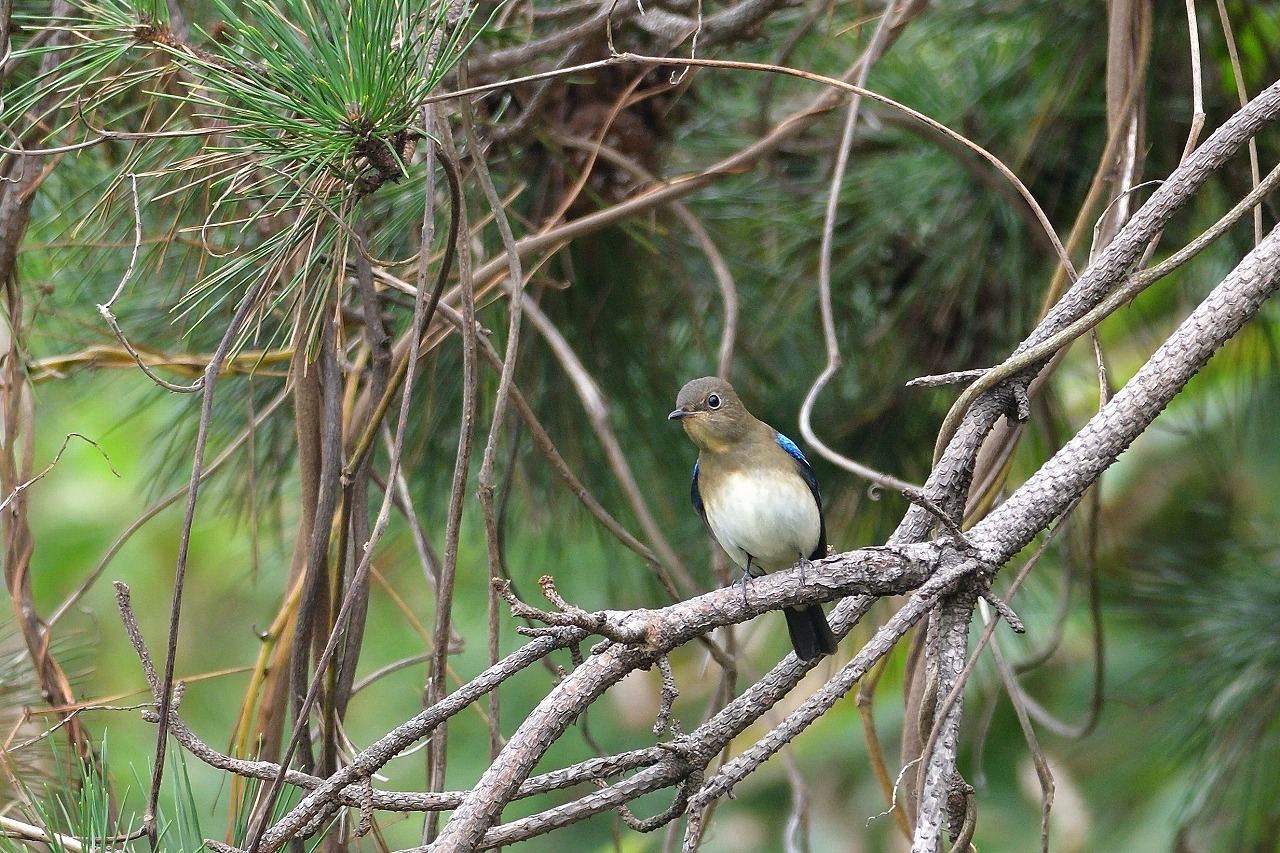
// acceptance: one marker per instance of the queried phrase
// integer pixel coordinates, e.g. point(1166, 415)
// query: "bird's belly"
point(773, 520)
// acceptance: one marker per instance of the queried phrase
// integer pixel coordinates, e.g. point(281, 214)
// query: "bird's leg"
point(746, 575)
point(803, 563)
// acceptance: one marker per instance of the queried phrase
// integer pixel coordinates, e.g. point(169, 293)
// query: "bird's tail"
point(811, 636)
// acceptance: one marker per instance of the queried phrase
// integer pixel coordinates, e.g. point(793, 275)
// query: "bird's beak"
point(678, 414)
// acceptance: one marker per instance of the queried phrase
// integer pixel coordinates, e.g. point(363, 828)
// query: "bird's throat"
point(706, 440)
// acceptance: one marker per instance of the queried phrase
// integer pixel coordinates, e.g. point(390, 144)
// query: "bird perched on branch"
point(757, 494)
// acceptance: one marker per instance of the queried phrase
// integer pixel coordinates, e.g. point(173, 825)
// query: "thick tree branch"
point(1081, 460)
point(949, 644)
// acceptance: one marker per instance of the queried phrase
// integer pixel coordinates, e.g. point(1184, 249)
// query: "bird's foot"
point(746, 576)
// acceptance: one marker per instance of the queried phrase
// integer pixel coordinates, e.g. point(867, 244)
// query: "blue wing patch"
point(696, 495)
point(805, 470)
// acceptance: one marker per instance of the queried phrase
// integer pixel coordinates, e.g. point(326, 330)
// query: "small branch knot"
point(945, 521)
point(1006, 612)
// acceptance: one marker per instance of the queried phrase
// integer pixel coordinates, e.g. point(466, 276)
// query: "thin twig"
point(184, 542)
point(865, 701)
point(105, 308)
point(879, 41)
point(1038, 758)
point(485, 477)
point(1238, 75)
point(159, 506)
point(435, 691)
point(53, 463)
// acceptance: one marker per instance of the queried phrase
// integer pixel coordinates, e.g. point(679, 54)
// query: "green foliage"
point(89, 806)
point(312, 88)
point(75, 804)
point(298, 112)
point(1206, 589)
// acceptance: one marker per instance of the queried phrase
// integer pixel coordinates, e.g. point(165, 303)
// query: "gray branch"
point(679, 623)
point(1009, 527)
point(1176, 190)
point(950, 644)
point(732, 24)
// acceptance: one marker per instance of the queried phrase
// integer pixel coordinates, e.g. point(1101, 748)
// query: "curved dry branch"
point(879, 43)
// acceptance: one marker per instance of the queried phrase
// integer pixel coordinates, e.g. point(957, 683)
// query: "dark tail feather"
point(811, 636)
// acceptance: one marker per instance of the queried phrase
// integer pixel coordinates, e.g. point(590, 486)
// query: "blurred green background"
point(933, 271)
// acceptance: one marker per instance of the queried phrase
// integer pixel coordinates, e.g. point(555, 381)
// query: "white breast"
point(772, 518)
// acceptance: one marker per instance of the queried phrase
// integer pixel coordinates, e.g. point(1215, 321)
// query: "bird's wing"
point(696, 495)
point(806, 471)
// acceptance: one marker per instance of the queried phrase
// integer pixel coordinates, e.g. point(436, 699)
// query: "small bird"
point(757, 494)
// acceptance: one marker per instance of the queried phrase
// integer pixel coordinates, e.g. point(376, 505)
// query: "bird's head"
point(712, 414)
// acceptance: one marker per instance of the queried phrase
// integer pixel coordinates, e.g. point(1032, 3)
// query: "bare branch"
point(1079, 462)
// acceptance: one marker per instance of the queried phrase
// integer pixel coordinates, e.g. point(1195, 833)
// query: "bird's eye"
point(713, 402)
